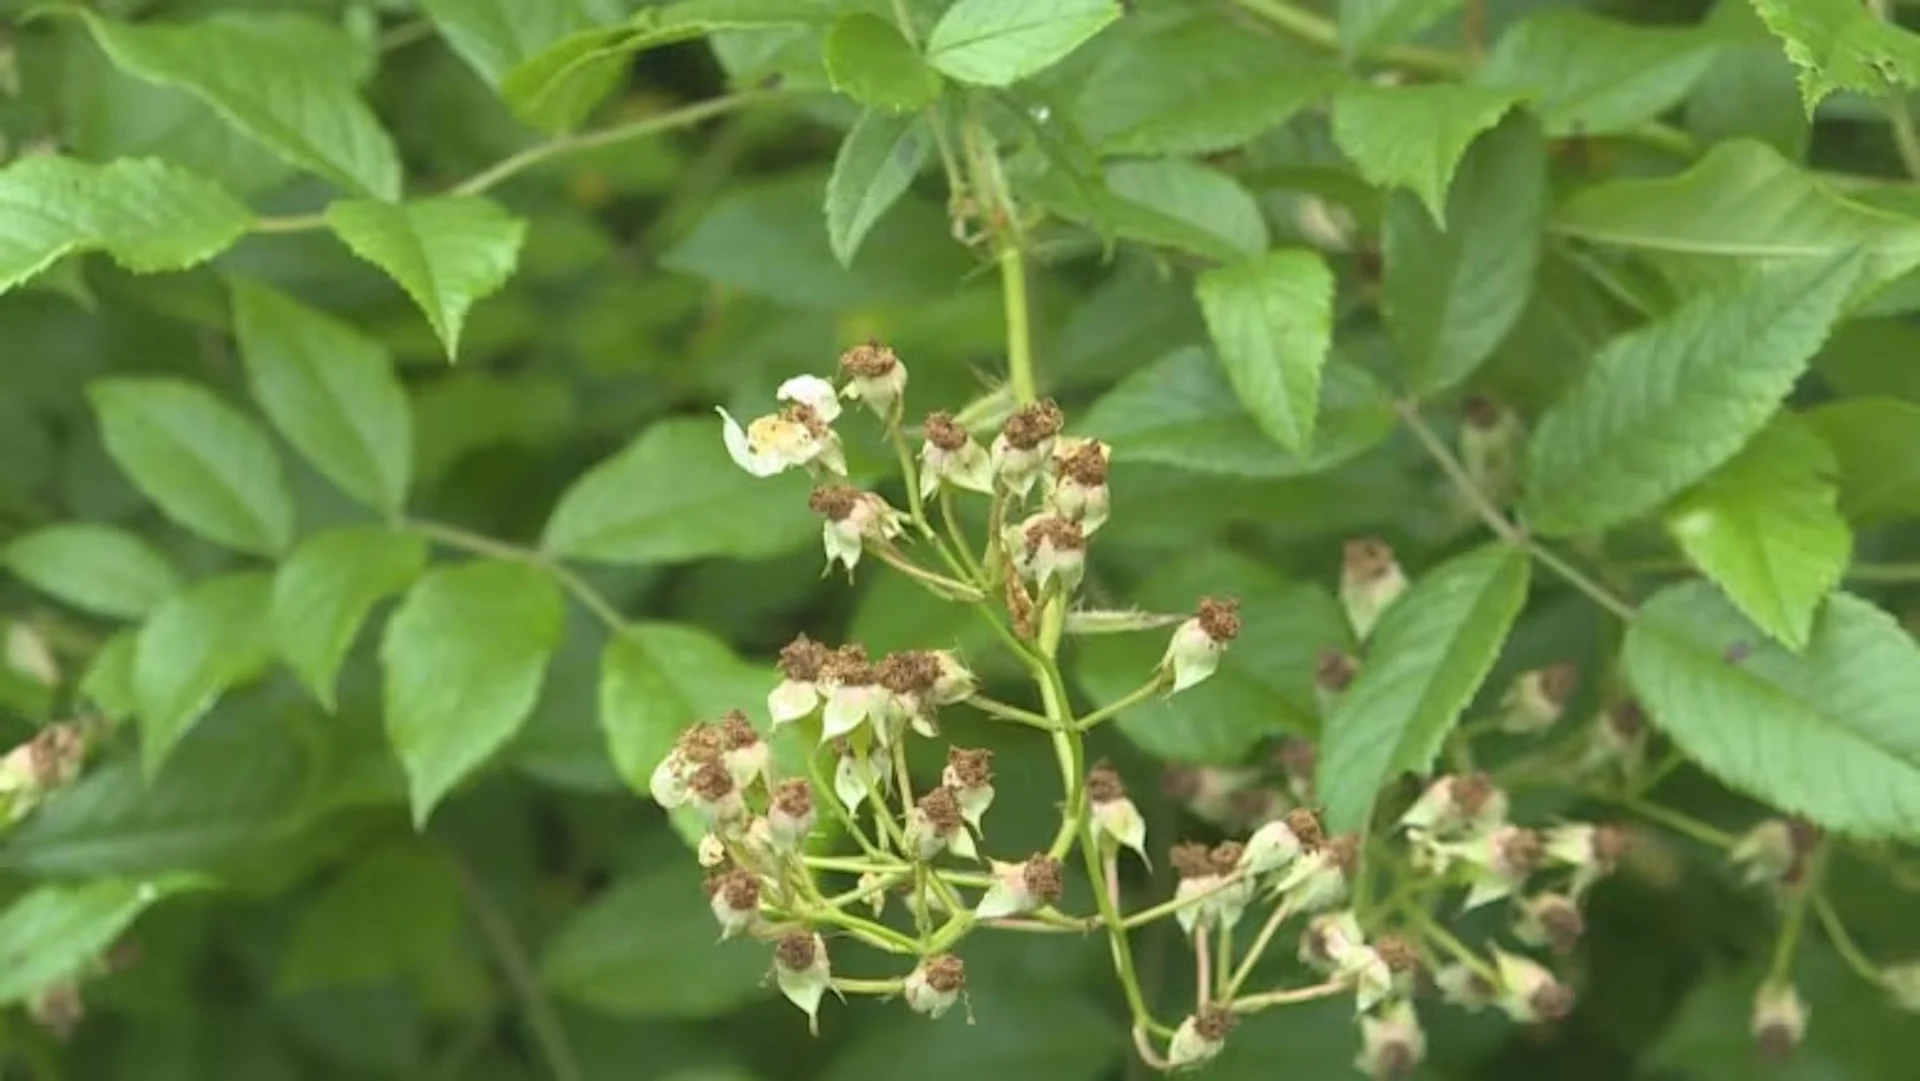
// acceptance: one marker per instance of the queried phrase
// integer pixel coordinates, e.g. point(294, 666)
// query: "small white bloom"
point(1200, 1037)
point(1077, 487)
point(735, 898)
point(1020, 887)
point(791, 817)
point(667, 785)
point(800, 968)
point(743, 751)
point(935, 825)
point(1272, 847)
point(969, 773)
point(951, 456)
point(1025, 445)
point(854, 519)
point(1194, 651)
point(935, 985)
point(711, 851)
point(1048, 548)
point(875, 376)
point(798, 435)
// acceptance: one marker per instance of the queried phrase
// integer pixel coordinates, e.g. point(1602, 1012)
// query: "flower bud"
point(1077, 488)
point(744, 752)
point(798, 694)
point(791, 817)
point(1490, 443)
point(1020, 888)
point(1775, 852)
point(1025, 445)
point(1552, 920)
point(1538, 698)
point(1333, 673)
point(1392, 1044)
point(1113, 813)
point(935, 986)
point(853, 519)
point(798, 435)
point(1273, 847)
point(735, 898)
point(1461, 985)
point(800, 968)
point(935, 825)
point(1200, 1037)
point(969, 772)
point(1047, 548)
point(951, 456)
point(1779, 1020)
point(1370, 580)
point(874, 376)
point(1528, 992)
point(714, 794)
point(1194, 652)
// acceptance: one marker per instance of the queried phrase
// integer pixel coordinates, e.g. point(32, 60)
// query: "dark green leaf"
point(1840, 45)
point(1033, 1031)
point(464, 657)
point(197, 645)
point(1414, 136)
point(1663, 405)
point(1749, 91)
point(1424, 661)
point(1877, 444)
point(492, 36)
point(658, 678)
point(1594, 76)
point(101, 569)
point(445, 252)
point(392, 912)
point(1826, 734)
point(997, 42)
point(1367, 25)
point(1271, 319)
point(877, 161)
point(326, 588)
point(330, 390)
point(871, 63)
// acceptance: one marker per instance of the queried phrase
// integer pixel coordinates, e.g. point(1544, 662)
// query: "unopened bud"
point(1195, 649)
point(791, 817)
point(969, 773)
point(1077, 487)
point(1490, 444)
point(1528, 992)
point(800, 968)
point(1021, 887)
point(951, 456)
point(1767, 854)
point(874, 376)
point(935, 986)
point(1392, 1044)
point(1538, 698)
point(1200, 1037)
point(1113, 813)
point(1370, 580)
point(1025, 445)
point(1333, 673)
point(1552, 920)
point(853, 519)
point(735, 898)
point(1779, 1020)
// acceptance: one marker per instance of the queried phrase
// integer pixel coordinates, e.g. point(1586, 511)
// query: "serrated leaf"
point(100, 569)
point(390, 913)
point(1589, 75)
point(871, 63)
point(148, 215)
point(1826, 733)
point(672, 496)
point(1199, 85)
point(1271, 320)
point(675, 969)
point(1764, 527)
point(285, 79)
point(1840, 45)
point(445, 252)
point(1662, 405)
point(492, 36)
point(464, 656)
point(330, 390)
point(1741, 204)
point(1876, 443)
point(1367, 25)
point(1172, 202)
point(1751, 91)
point(1453, 293)
point(1181, 411)
point(879, 158)
point(53, 932)
point(207, 466)
point(1264, 684)
point(658, 678)
point(327, 587)
point(1424, 661)
point(1413, 137)
point(194, 648)
point(998, 42)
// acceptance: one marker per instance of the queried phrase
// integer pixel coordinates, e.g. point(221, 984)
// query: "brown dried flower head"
point(1032, 425)
point(1398, 951)
point(793, 797)
point(941, 808)
point(834, 501)
point(1562, 923)
point(944, 432)
point(1104, 784)
point(1366, 559)
point(737, 732)
point(1471, 791)
point(701, 743)
point(1626, 719)
point(850, 667)
point(972, 767)
point(1220, 618)
point(1611, 843)
point(909, 671)
point(1191, 859)
point(1343, 852)
point(1086, 466)
point(946, 973)
point(869, 360)
point(1042, 876)
point(1559, 681)
point(1225, 856)
point(1518, 850)
point(1305, 824)
point(802, 659)
point(1214, 1022)
point(1063, 534)
point(712, 782)
point(795, 951)
point(1333, 672)
point(740, 890)
point(1552, 1001)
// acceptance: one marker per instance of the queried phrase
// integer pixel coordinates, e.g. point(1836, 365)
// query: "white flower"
point(875, 376)
point(935, 985)
point(853, 519)
point(800, 968)
point(742, 750)
point(952, 456)
point(970, 774)
point(1048, 548)
point(791, 816)
point(935, 825)
point(1077, 487)
point(798, 435)
point(1272, 847)
point(1020, 887)
point(1194, 651)
point(798, 694)
point(1025, 445)
point(735, 899)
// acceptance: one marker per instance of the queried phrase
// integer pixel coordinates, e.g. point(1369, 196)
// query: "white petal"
point(805, 990)
point(970, 468)
point(847, 709)
point(792, 700)
point(813, 392)
point(665, 785)
point(737, 448)
point(850, 782)
point(974, 802)
point(961, 844)
point(1000, 900)
point(830, 456)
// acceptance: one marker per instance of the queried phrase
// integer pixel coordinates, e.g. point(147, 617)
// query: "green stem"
point(1254, 952)
point(958, 537)
point(478, 544)
point(1289, 997)
point(1012, 713)
point(1884, 572)
point(825, 791)
point(1780, 970)
point(1432, 931)
point(1319, 31)
point(548, 1034)
point(1843, 942)
point(1116, 932)
point(1013, 293)
point(867, 987)
point(1674, 820)
point(1120, 705)
point(1168, 908)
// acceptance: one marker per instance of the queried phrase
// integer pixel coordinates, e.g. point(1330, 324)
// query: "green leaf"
point(1765, 528)
point(196, 646)
point(1264, 684)
point(148, 215)
point(331, 391)
point(100, 569)
point(1413, 137)
point(1199, 85)
point(464, 657)
point(1750, 91)
point(1424, 661)
point(392, 912)
point(445, 252)
point(1368, 25)
point(1594, 76)
point(1171, 202)
point(206, 465)
point(1827, 733)
point(1840, 45)
point(674, 496)
point(492, 36)
point(54, 932)
point(1662, 405)
point(656, 679)
point(871, 63)
point(1182, 411)
point(108, 682)
point(877, 161)
point(998, 42)
point(646, 948)
point(1039, 1030)
point(1741, 204)
point(1271, 319)
point(1876, 442)
point(1453, 293)
point(326, 589)
point(285, 79)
